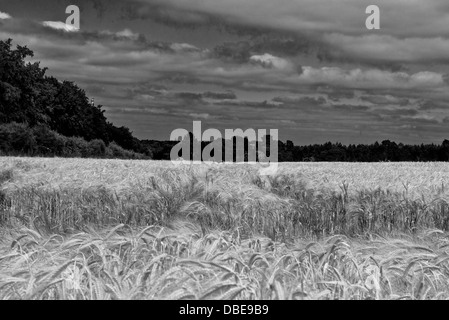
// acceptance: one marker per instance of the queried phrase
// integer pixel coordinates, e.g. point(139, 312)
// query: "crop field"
point(112, 229)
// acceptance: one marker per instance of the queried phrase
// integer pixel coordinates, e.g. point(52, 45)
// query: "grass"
point(110, 229)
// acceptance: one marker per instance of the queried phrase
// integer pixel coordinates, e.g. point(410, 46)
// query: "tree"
point(444, 153)
point(20, 85)
point(28, 96)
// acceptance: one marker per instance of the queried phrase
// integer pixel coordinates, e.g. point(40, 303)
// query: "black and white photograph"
point(240, 151)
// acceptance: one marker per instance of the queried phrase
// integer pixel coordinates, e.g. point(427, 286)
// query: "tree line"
point(330, 152)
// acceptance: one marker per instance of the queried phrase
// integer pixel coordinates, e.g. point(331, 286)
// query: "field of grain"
point(110, 229)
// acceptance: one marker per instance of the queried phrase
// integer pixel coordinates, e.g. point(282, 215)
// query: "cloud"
point(422, 119)
point(268, 61)
point(127, 57)
point(189, 96)
point(167, 15)
point(250, 104)
point(337, 94)
point(60, 26)
point(4, 16)
point(126, 33)
point(385, 100)
point(348, 107)
point(205, 116)
point(433, 105)
point(410, 30)
point(372, 78)
point(301, 100)
point(387, 48)
point(228, 95)
point(186, 47)
point(275, 43)
point(396, 112)
point(404, 17)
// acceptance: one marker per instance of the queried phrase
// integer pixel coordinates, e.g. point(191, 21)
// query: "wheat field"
point(112, 229)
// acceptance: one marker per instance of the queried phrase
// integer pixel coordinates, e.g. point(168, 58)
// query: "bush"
point(97, 148)
point(16, 138)
point(20, 139)
point(48, 141)
point(76, 147)
point(115, 151)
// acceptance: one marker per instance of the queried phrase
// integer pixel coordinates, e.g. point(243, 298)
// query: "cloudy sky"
point(309, 68)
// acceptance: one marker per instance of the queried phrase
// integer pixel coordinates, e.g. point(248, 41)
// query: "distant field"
point(112, 229)
point(429, 179)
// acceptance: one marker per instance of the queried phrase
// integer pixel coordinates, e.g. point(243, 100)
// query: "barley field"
point(112, 229)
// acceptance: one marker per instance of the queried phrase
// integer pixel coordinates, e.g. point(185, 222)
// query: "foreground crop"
point(104, 229)
point(154, 263)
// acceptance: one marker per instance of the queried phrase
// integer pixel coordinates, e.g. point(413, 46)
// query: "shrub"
point(97, 148)
point(20, 139)
point(49, 142)
point(115, 151)
point(76, 147)
point(16, 138)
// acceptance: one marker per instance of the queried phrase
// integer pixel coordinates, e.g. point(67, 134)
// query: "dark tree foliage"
point(376, 152)
point(20, 86)
point(330, 152)
point(45, 104)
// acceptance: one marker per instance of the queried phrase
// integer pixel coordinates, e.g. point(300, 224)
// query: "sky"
point(309, 68)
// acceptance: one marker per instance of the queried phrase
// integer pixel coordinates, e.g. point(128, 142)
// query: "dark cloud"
point(330, 54)
point(147, 88)
point(386, 51)
point(446, 78)
point(167, 15)
point(179, 78)
point(315, 101)
point(228, 95)
point(385, 100)
point(274, 43)
point(347, 107)
point(189, 96)
point(432, 105)
point(243, 103)
point(336, 95)
point(420, 121)
point(239, 52)
point(396, 113)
